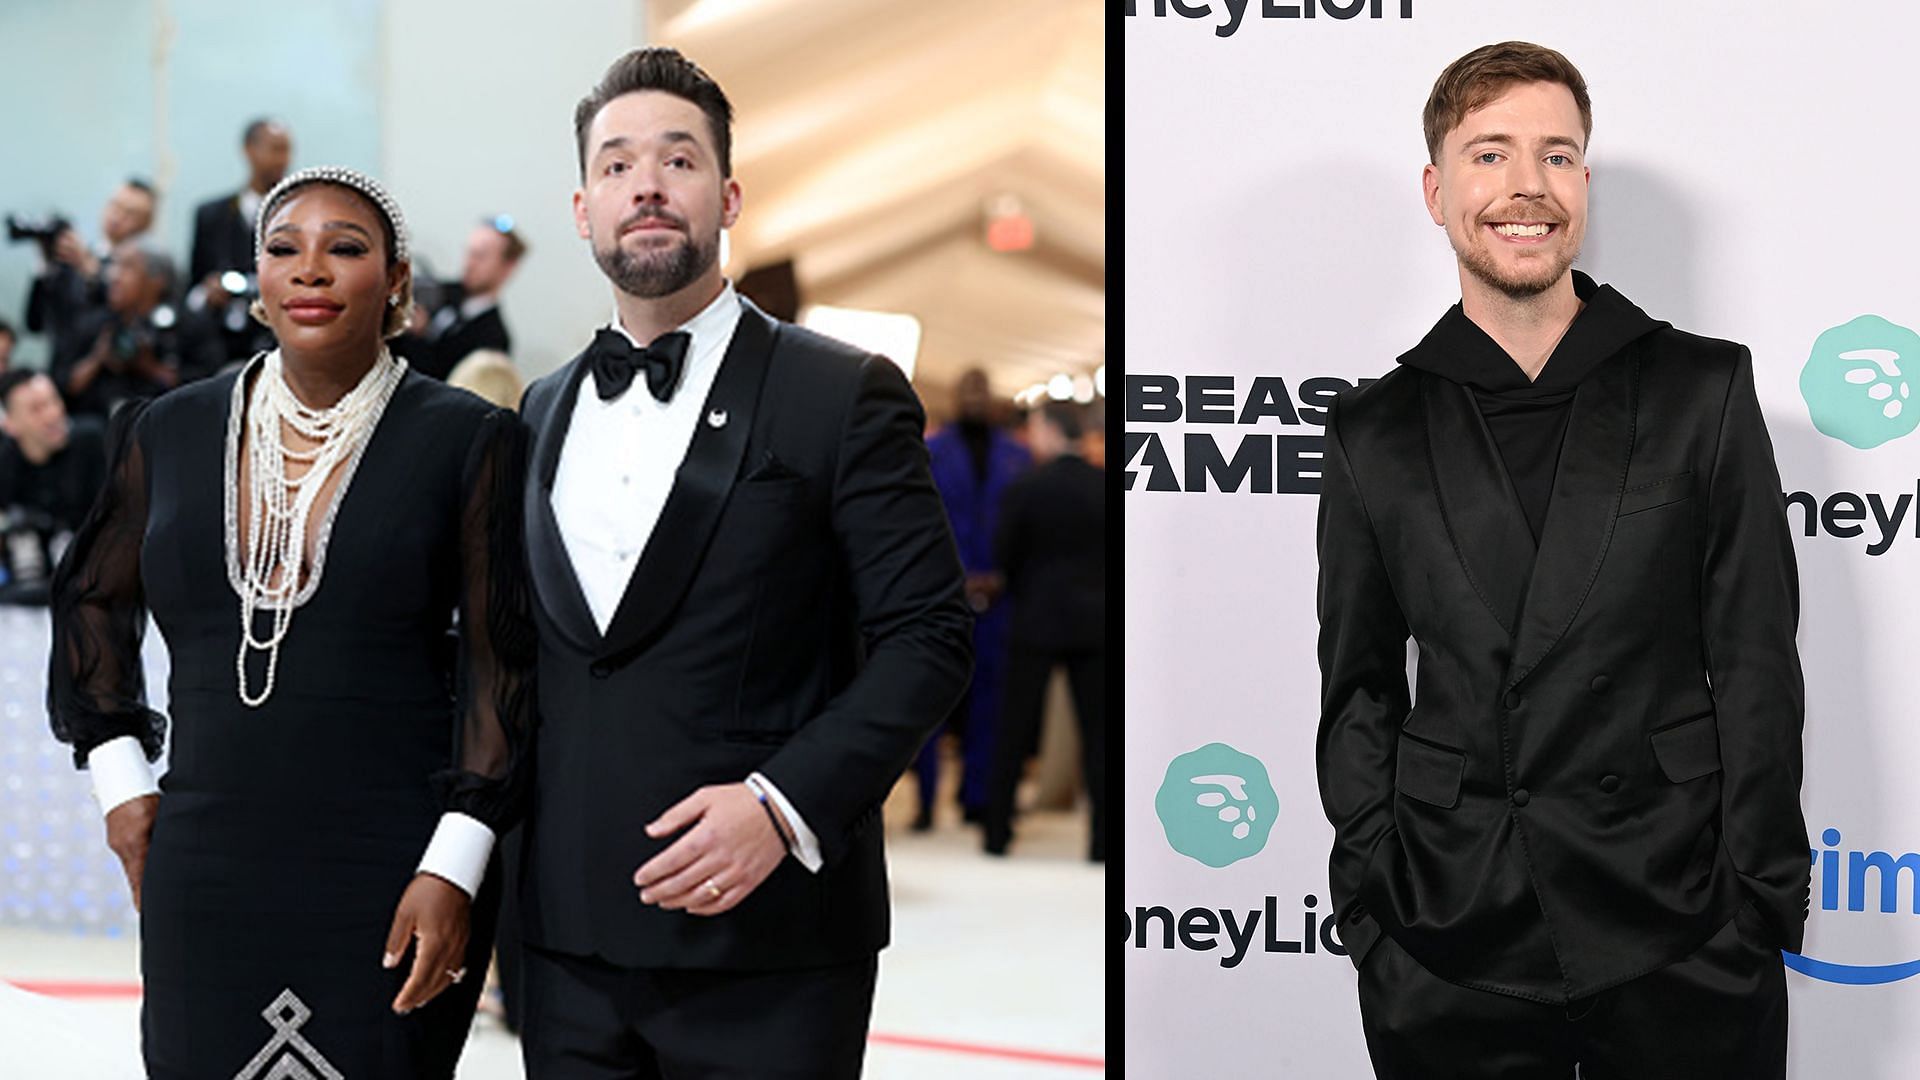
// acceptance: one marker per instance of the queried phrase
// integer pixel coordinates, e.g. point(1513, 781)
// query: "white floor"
point(994, 954)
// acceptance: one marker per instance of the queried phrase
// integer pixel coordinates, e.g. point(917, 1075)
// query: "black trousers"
point(1019, 737)
point(586, 1019)
point(1719, 1014)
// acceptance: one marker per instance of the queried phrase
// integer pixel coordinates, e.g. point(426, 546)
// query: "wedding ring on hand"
point(713, 891)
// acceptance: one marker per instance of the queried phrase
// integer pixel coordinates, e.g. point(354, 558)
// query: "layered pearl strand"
point(267, 574)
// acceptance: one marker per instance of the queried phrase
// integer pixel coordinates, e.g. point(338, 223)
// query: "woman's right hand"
point(129, 830)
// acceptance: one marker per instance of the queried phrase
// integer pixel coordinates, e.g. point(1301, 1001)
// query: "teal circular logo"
point(1858, 384)
point(1216, 805)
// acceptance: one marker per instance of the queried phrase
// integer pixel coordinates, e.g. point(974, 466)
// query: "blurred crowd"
point(122, 320)
point(1025, 493)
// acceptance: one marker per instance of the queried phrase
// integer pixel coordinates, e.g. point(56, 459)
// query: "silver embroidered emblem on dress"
point(717, 418)
point(288, 1055)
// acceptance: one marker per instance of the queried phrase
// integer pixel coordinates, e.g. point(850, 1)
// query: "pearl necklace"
point(267, 574)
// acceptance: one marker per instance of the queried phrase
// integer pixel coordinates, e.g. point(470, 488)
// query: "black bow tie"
point(614, 360)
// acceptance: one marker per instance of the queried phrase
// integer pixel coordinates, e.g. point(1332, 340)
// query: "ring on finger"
point(713, 891)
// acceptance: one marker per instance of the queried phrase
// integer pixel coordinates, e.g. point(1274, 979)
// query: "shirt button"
point(1609, 783)
point(1520, 797)
point(1512, 700)
point(1600, 684)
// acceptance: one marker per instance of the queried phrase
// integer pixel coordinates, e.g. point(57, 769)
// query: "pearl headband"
point(333, 174)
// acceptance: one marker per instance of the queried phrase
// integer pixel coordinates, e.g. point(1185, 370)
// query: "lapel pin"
point(717, 418)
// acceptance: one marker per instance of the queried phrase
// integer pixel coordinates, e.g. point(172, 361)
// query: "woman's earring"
point(393, 300)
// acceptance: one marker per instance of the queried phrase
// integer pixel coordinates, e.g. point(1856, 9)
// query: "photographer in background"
point(50, 472)
point(138, 346)
point(465, 316)
point(221, 267)
point(1051, 542)
point(73, 276)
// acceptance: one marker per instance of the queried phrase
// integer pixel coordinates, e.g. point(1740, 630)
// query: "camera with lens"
point(31, 543)
point(241, 288)
point(42, 230)
point(156, 331)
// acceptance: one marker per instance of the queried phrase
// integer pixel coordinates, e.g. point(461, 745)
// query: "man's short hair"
point(1475, 79)
point(157, 263)
point(503, 224)
point(1064, 417)
point(257, 127)
point(661, 68)
point(141, 183)
point(14, 380)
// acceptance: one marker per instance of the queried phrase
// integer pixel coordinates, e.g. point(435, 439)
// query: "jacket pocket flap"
point(1658, 493)
point(1429, 773)
point(1688, 750)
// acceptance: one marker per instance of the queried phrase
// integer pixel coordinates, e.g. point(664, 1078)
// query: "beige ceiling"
point(869, 136)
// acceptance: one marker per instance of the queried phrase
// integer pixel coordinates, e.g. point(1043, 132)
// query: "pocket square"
point(770, 468)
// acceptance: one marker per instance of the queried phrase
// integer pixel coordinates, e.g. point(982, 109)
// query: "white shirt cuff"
point(459, 851)
point(120, 772)
point(806, 845)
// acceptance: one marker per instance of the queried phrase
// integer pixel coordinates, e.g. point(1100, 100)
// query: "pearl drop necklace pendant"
point(266, 574)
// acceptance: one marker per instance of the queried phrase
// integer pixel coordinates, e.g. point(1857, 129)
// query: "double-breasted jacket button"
point(1521, 797)
point(1512, 700)
point(1600, 684)
point(1609, 783)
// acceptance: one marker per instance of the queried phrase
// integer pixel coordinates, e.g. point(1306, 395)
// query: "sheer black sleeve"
point(96, 687)
point(494, 732)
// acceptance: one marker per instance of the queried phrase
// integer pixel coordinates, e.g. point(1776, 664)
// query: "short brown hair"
point(665, 69)
point(1475, 79)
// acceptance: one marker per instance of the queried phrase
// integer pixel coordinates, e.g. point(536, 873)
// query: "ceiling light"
point(894, 336)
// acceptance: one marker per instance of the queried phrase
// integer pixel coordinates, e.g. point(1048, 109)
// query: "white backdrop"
point(1753, 169)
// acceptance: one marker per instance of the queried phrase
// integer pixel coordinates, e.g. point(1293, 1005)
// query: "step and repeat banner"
point(1753, 177)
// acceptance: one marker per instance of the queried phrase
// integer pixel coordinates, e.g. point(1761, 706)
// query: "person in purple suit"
point(973, 462)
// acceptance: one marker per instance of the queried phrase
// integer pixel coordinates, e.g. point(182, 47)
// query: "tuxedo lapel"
point(1580, 515)
point(1482, 513)
point(554, 579)
point(700, 489)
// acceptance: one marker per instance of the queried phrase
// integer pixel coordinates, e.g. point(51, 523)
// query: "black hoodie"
point(1528, 420)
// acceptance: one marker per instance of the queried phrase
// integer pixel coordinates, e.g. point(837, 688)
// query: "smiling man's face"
point(1510, 186)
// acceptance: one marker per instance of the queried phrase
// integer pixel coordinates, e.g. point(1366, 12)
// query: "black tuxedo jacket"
point(222, 239)
point(1602, 759)
point(798, 610)
point(1051, 542)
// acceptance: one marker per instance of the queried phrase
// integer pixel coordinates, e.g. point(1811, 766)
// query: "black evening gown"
point(287, 833)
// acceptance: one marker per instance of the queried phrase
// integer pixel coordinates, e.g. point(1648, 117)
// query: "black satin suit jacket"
point(1602, 757)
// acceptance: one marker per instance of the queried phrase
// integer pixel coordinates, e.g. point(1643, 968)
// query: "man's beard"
point(1479, 261)
point(655, 274)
